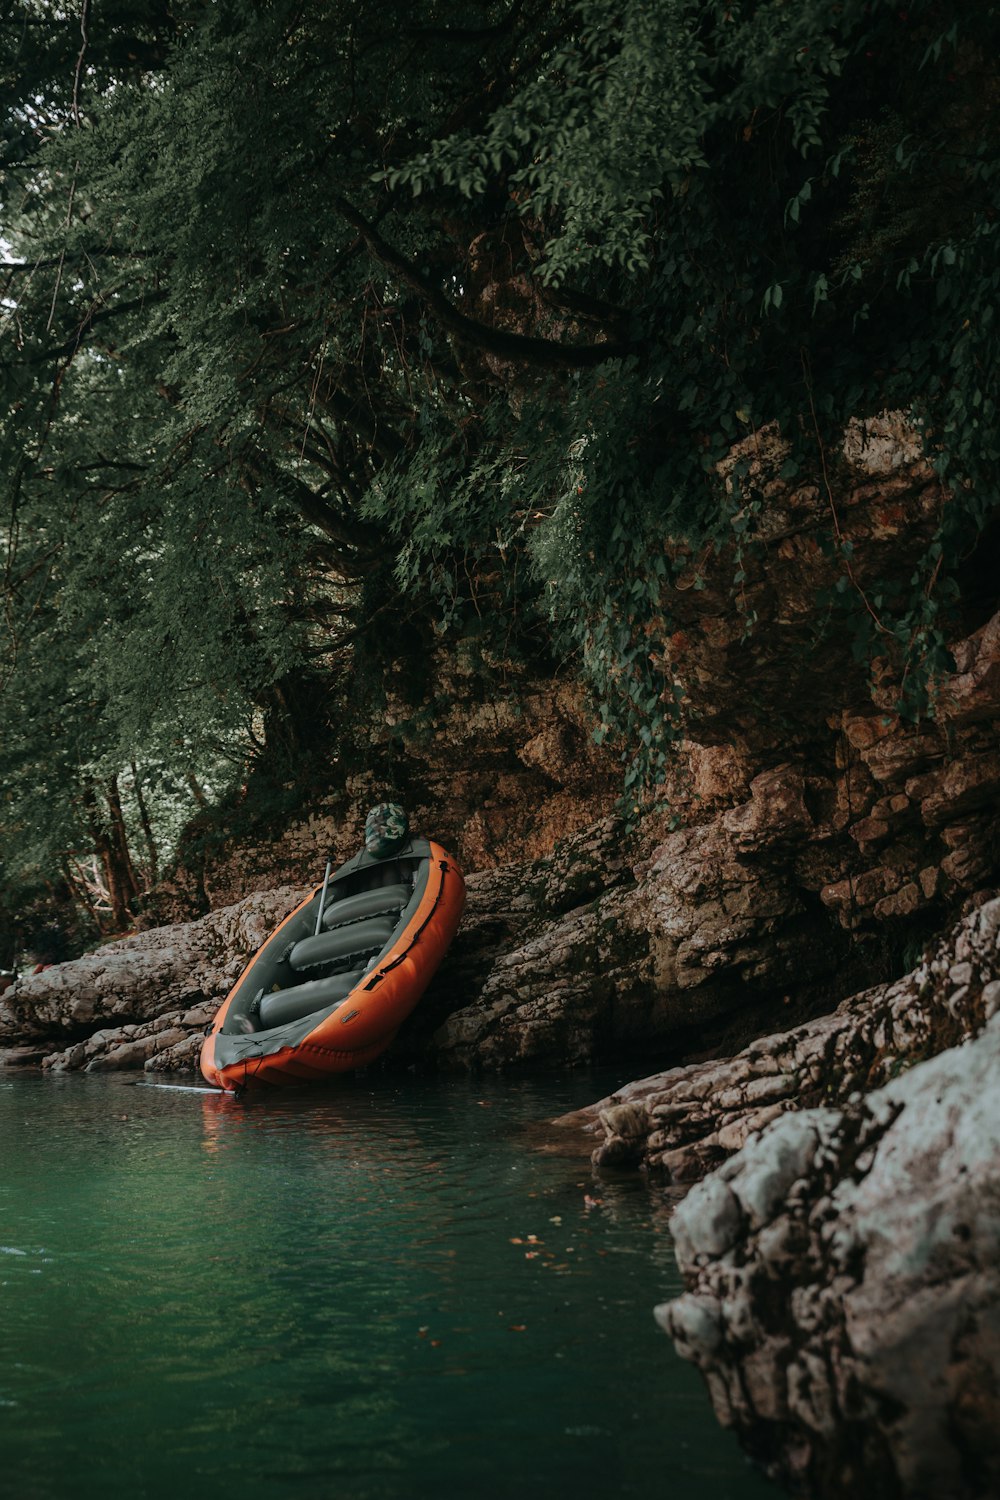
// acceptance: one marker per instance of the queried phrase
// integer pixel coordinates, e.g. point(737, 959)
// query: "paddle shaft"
point(322, 898)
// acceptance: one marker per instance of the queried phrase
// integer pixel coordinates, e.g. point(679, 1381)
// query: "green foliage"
point(323, 319)
point(592, 143)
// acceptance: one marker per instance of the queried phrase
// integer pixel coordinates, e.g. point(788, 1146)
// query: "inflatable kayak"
point(332, 984)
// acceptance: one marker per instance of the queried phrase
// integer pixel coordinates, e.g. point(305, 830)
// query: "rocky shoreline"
point(681, 1124)
point(839, 1240)
point(142, 1002)
point(839, 1236)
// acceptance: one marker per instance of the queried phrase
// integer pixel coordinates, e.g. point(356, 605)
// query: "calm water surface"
point(384, 1291)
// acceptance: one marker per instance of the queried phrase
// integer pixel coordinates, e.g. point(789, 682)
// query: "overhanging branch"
point(546, 354)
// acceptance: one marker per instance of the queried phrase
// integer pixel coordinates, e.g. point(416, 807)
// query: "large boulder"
point(843, 1298)
point(843, 1266)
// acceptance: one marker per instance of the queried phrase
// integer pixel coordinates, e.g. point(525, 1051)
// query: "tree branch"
point(546, 354)
point(70, 347)
point(350, 545)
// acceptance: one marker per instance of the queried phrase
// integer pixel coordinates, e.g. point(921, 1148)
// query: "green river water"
point(385, 1291)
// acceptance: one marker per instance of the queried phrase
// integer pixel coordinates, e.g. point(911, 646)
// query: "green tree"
point(307, 307)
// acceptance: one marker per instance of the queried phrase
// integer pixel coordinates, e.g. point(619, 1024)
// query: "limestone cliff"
point(809, 837)
point(495, 779)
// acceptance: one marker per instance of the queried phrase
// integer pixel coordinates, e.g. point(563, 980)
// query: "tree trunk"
point(111, 848)
point(80, 890)
point(147, 827)
point(124, 867)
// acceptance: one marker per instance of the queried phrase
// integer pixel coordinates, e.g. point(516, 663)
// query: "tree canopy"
point(310, 309)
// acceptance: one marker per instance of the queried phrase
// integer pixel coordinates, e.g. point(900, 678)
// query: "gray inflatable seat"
point(355, 937)
point(302, 999)
point(366, 904)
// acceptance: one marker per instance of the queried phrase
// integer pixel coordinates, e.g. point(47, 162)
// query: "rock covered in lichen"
point(843, 1276)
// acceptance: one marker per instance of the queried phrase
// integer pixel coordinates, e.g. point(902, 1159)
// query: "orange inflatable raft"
point(329, 989)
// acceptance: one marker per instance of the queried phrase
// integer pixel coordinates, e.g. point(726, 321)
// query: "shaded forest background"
point(340, 336)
